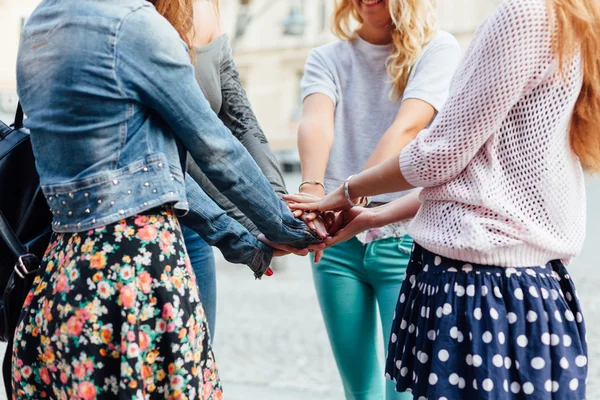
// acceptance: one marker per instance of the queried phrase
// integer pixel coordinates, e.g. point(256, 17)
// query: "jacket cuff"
point(261, 260)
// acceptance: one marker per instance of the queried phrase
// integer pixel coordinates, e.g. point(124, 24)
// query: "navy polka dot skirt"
point(468, 331)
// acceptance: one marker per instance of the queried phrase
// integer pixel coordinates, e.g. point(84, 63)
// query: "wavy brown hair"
point(577, 25)
point(415, 26)
point(180, 13)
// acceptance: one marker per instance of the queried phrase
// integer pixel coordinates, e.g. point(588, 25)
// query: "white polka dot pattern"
point(511, 341)
point(497, 172)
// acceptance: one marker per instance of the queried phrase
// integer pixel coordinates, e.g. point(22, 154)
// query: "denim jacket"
point(108, 87)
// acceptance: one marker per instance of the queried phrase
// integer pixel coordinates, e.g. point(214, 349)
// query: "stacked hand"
point(331, 217)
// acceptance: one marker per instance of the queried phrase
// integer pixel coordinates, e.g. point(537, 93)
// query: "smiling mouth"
point(370, 3)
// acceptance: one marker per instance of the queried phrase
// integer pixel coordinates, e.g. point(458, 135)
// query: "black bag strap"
point(9, 237)
point(6, 232)
point(18, 124)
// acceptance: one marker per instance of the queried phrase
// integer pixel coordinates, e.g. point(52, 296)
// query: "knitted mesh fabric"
point(502, 186)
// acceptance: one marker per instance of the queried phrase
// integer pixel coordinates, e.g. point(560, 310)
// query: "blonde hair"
point(414, 26)
point(577, 28)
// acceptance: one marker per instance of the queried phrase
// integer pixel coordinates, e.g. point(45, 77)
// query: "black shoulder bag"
point(25, 229)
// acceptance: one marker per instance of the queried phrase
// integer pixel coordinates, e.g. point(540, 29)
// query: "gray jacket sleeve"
point(236, 113)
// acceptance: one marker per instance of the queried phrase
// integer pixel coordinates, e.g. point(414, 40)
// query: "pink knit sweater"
point(501, 184)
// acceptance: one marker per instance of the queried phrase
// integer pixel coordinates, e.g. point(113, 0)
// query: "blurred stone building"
point(271, 40)
point(13, 14)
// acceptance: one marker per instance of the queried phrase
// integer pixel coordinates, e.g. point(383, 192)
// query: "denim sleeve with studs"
point(108, 87)
point(171, 90)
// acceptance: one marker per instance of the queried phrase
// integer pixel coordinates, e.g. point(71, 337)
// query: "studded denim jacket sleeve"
point(153, 66)
point(236, 243)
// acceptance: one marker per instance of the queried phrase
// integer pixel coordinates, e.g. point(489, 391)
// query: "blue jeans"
point(203, 264)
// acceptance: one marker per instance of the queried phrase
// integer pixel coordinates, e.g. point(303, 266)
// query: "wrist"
point(261, 260)
point(352, 199)
point(313, 189)
point(375, 217)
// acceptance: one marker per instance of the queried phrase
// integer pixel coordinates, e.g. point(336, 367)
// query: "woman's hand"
point(350, 223)
point(280, 250)
point(334, 201)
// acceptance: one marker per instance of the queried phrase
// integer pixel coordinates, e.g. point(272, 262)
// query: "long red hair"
point(180, 13)
point(577, 24)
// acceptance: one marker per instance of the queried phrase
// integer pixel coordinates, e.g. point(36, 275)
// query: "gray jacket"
point(220, 82)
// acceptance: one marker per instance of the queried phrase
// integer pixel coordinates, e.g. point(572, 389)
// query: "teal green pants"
point(352, 280)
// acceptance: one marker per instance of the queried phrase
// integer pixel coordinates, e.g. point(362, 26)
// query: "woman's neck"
point(375, 36)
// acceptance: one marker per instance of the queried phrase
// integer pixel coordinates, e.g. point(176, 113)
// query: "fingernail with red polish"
point(269, 272)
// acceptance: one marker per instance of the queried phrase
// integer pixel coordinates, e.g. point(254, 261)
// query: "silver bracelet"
point(311, 182)
point(347, 192)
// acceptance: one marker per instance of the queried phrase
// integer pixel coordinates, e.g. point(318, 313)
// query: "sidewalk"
point(270, 340)
point(247, 392)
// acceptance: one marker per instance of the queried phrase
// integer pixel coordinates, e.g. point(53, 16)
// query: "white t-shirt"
point(353, 74)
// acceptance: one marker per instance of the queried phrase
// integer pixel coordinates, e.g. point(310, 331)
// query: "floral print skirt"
point(115, 313)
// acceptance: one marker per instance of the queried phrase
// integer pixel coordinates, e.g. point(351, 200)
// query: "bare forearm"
point(389, 145)
point(383, 178)
point(397, 210)
point(314, 146)
point(413, 116)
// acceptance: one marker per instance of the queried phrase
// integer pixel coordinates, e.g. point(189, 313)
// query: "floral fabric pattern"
point(116, 314)
point(395, 230)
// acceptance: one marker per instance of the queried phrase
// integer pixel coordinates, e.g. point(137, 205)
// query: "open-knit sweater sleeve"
point(509, 56)
point(502, 185)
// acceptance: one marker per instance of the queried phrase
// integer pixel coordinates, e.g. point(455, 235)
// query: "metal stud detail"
point(78, 224)
point(154, 190)
point(70, 213)
point(145, 204)
point(71, 195)
point(112, 203)
point(64, 202)
point(129, 192)
point(58, 211)
point(121, 212)
point(160, 165)
point(172, 194)
point(87, 210)
point(99, 201)
point(93, 220)
point(86, 194)
point(145, 169)
point(147, 184)
point(115, 182)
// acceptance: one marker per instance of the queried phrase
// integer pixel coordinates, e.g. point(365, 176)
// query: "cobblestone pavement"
point(271, 344)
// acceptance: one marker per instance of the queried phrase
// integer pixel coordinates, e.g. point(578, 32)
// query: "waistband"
point(109, 196)
point(432, 262)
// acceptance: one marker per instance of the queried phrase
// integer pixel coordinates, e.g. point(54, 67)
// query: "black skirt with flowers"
point(115, 314)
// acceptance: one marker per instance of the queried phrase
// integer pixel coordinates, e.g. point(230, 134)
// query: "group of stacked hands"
point(334, 221)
